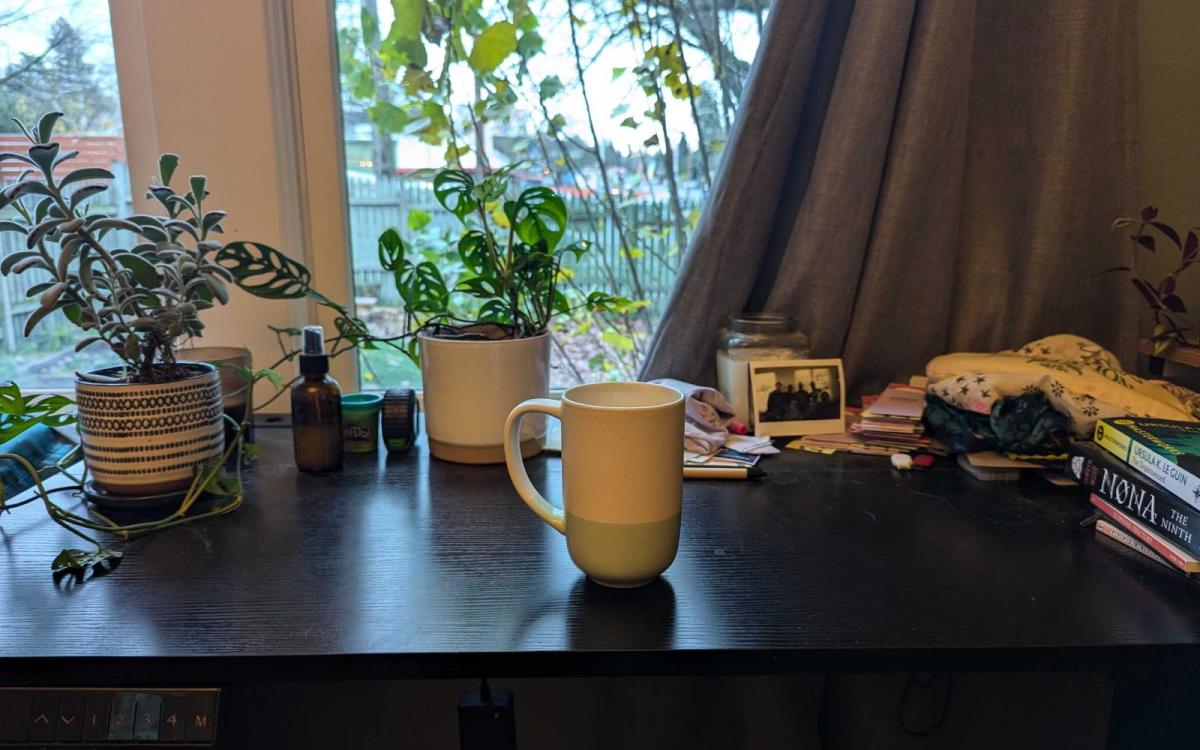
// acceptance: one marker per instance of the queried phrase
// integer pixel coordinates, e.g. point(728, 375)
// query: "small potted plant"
point(136, 285)
point(483, 344)
point(1171, 325)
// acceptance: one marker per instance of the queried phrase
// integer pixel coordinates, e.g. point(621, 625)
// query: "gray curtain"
point(911, 177)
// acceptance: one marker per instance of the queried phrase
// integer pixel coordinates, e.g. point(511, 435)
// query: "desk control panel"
point(108, 716)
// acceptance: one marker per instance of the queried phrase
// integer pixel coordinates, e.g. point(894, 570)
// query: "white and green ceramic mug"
point(622, 468)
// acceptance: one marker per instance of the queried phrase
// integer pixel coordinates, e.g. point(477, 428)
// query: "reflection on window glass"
point(622, 106)
point(56, 55)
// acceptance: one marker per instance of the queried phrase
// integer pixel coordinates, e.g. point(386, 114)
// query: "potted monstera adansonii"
point(483, 344)
point(137, 286)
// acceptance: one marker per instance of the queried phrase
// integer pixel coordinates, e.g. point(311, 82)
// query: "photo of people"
point(797, 397)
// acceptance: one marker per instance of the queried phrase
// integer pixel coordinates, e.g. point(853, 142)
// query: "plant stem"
point(598, 150)
point(687, 79)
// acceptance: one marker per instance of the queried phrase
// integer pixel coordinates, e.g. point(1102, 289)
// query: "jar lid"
point(361, 401)
point(751, 322)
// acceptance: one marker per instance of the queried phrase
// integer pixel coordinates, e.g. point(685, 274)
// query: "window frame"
point(294, 70)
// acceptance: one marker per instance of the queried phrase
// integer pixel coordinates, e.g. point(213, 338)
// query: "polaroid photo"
point(798, 397)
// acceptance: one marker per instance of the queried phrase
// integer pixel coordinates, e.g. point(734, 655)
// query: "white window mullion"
point(247, 94)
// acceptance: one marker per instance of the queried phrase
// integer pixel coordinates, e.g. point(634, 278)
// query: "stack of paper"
point(893, 419)
point(889, 423)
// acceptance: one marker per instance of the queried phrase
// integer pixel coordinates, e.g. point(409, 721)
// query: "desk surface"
point(405, 567)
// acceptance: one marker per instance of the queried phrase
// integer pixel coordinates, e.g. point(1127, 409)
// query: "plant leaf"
point(79, 562)
point(87, 173)
point(167, 164)
point(540, 215)
point(455, 191)
point(34, 318)
point(44, 155)
point(391, 250)
point(264, 271)
point(143, 270)
point(198, 184)
point(212, 220)
point(45, 127)
point(550, 87)
point(84, 193)
point(1174, 303)
point(1148, 292)
point(1167, 230)
point(497, 42)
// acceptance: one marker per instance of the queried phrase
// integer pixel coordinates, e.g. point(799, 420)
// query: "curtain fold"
point(910, 177)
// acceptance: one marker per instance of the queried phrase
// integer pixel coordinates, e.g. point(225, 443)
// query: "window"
point(622, 106)
point(56, 53)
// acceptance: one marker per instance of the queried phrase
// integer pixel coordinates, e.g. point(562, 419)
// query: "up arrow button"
point(42, 716)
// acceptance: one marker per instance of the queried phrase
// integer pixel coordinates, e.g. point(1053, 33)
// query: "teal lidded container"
point(360, 422)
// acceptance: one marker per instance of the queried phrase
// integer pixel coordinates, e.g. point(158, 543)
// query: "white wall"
point(226, 96)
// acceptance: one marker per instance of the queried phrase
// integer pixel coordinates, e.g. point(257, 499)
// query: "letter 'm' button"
point(201, 717)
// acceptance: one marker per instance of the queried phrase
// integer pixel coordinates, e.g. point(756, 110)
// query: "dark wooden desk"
point(406, 567)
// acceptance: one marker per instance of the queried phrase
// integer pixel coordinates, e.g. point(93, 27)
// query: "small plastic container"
point(360, 422)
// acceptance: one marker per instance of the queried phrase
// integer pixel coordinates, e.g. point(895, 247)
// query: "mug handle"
point(516, 466)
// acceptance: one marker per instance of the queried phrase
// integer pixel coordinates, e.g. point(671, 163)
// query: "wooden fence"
point(377, 205)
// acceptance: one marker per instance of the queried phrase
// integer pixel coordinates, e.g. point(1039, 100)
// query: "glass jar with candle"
point(754, 337)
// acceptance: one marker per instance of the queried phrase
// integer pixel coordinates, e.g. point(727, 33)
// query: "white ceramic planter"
point(147, 439)
point(471, 386)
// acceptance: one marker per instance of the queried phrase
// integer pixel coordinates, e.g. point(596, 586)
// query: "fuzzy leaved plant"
point(136, 284)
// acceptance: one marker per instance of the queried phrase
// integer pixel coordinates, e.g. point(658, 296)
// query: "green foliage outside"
point(521, 80)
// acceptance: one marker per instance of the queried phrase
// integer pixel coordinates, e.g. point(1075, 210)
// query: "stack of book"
point(1144, 476)
point(893, 419)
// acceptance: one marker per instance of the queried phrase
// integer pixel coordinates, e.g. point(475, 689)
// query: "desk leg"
point(1156, 707)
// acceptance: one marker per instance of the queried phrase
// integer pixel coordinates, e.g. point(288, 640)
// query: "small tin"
point(360, 422)
point(399, 419)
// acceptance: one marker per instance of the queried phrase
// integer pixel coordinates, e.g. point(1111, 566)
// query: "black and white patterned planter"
point(145, 439)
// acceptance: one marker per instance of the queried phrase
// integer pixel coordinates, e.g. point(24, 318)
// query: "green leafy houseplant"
point(513, 278)
point(482, 340)
point(1171, 325)
point(141, 300)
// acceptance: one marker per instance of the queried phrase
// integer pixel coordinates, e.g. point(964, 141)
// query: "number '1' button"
point(95, 717)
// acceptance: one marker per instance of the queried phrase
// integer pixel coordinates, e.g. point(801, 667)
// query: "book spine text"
point(1117, 534)
point(1140, 456)
point(1138, 499)
point(1170, 552)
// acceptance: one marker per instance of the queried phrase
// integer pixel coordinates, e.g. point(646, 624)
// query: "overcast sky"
point(607, 95)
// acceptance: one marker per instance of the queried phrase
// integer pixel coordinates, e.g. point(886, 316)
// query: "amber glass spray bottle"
point(316, 408)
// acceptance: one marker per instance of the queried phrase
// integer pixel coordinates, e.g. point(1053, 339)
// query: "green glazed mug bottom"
point(622, 555)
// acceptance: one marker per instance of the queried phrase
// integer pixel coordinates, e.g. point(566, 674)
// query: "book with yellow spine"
point(1166, 451)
